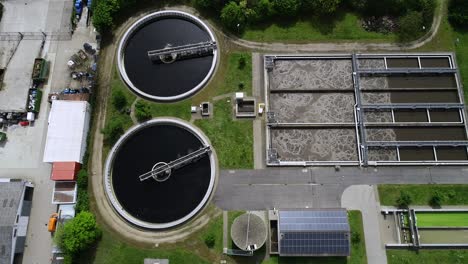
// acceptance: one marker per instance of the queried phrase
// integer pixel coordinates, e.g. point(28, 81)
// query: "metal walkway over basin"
point(170, 54)
point(162, 170)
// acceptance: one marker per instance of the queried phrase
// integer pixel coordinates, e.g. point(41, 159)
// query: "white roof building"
point(68, 127)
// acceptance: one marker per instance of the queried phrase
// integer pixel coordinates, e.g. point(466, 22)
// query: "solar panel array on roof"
point(314, 220)
point(314, 233)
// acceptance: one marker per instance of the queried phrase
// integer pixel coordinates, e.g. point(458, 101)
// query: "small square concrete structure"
point(245, 106)
point(205, 109)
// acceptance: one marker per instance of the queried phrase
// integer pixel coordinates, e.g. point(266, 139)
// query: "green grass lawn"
point(358, 250)
point(421, 194)
point(215, 228)
point(179, 109)
point(342, 27)
point(232, 139)
point(442, 219)
point(427, 257)
point(111, 250)
point(461, 47)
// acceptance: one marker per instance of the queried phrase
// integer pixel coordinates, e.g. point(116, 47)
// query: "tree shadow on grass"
point(326, 24)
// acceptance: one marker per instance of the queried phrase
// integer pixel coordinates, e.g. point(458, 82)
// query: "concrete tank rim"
point(109, 190)
point(237, 222)
point(140, 22)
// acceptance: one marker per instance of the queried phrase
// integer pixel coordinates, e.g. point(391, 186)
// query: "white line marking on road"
point(275, 184)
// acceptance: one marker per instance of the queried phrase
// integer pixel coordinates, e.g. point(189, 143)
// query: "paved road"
point(316, 187)
point(364, 199)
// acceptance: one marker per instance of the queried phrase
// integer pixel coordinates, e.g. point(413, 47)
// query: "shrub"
point(113, 130)
point(142, 111)
point(241, 62)
point(82, 201)
point(355, 237)
point(404, 200)
point(458, 13)
point(410, 26)
point(209, 240)
point(82, 179)
point(79, 233)
point(436, 199)
point(119, 101)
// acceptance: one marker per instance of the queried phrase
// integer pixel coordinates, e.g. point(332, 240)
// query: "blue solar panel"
point(314, 232)
point(325, 220)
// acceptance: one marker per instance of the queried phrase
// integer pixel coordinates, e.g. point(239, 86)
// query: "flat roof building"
point(313, 232)
point(67, 131)
point(15, 208)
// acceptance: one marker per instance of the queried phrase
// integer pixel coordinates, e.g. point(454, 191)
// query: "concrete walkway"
point(132, 112)
point(327, 47)
point(363, 198)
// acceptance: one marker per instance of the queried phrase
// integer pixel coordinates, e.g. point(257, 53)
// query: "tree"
point(142, 111)
point(410, 26)
point(103, 14)
point(286, 7)
point(114, 128)
point(458, 13)
point(263, 9)
point(79, 233)
point(209, 5)
point(322, 7)
point(233, 17)
point(119, 101)
point(404, 200)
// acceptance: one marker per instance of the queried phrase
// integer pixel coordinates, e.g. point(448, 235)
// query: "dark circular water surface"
point(149, 200)
point(159, 79)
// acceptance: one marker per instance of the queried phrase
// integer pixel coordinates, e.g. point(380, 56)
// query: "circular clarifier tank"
point(174, 75)
point(160, 173)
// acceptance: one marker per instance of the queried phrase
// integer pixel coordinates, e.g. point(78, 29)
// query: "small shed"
point(65, 171)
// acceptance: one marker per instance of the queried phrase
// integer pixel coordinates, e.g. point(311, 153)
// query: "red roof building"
point(65, 171)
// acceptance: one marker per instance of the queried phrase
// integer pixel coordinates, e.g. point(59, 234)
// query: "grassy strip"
point(461, 47)
point(232, 215)
point(112, 251)
point(232, 139)
point(358, 249)
point(442, 219)
point(342, 27)
point(215, 229)
point(421, 194)
point(179, 109)
point(427, 256)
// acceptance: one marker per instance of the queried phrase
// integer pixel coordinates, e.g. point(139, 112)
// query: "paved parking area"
point(21, 156)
